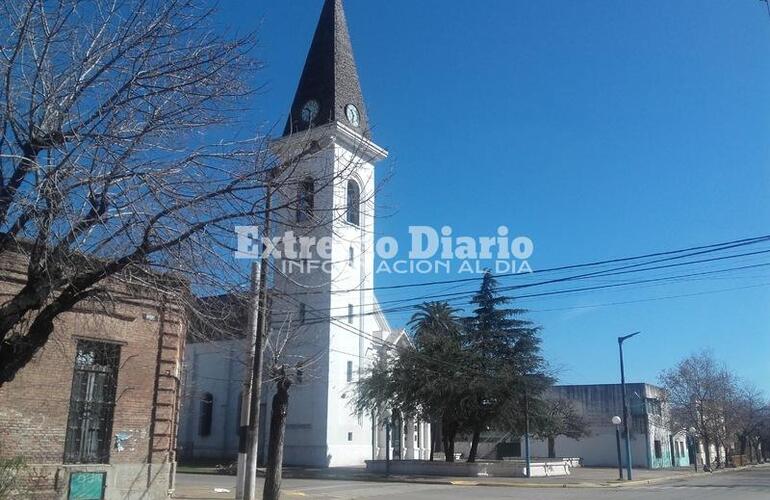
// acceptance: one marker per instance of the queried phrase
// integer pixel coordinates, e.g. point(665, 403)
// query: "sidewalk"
point(582, 477)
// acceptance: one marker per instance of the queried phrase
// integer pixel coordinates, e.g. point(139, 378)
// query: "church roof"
point(330, 78)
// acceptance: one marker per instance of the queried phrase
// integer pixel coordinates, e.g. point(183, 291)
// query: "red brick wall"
point(34, 406)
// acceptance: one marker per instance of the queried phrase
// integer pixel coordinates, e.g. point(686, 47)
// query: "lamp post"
point(616, 422)
point(625, 404)
point(693, 446)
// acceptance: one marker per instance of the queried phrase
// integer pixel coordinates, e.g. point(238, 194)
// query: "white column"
point(420, 445)
point(427, 437)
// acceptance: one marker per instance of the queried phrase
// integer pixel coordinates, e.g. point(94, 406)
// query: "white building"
point(336, 325)
point(654, 443)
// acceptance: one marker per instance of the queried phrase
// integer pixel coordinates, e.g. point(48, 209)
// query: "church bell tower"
point(325, 295)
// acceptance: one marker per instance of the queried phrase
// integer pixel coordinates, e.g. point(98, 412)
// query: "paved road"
point(751, 484)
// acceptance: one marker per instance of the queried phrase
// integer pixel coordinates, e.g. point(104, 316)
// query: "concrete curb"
point(506, 484)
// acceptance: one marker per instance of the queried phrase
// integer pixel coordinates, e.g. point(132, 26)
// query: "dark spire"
point(329, 82)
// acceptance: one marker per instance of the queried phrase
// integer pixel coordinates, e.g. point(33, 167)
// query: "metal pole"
point(629, 473)
point(256, 373)
point(527, 456)
point(620, 458)
point(243, 432)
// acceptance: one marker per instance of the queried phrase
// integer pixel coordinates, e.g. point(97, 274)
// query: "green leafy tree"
point(505, 361)
point(423, 380)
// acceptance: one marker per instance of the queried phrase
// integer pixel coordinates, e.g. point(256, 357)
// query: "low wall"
point(502, 468)
point(571, 461)
point(122, 481)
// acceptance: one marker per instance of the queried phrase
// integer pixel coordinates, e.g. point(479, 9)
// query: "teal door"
point(87, 485)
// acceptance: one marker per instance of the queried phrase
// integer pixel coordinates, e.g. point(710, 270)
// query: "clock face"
point(351, 111)
point(310, 111)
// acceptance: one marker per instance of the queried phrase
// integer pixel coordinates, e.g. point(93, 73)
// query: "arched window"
point(305, 199)
point(206, 414)
point(354, 203)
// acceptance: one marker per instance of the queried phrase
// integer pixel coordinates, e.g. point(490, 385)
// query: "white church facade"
point(327, 316)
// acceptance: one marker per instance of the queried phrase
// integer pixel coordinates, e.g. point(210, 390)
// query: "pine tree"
point(503, 350)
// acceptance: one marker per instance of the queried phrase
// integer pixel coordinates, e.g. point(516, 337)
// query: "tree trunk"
point(273, 474)
point(551, 447)
point(449, 449)
point(707, 448)
point(448, 433)
point(474, 445)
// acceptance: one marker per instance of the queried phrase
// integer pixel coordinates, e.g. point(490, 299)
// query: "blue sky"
point(599, 129)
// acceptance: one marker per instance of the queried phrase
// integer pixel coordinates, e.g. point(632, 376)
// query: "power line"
point(455, 296)
point(607, 272)
point(714, 247)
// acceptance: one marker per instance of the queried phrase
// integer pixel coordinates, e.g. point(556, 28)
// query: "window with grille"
point(92, 403)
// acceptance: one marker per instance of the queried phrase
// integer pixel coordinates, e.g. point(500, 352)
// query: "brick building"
point(96, 409)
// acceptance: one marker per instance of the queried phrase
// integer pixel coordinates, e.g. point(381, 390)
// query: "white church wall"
point(216, 368)
point(349, 435)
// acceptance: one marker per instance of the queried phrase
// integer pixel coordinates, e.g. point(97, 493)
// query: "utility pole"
point(243, 434)
point(625, 404)
point(249, 488)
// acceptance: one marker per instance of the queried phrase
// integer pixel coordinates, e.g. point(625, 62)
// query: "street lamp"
point(625, 403)
point(616, 422)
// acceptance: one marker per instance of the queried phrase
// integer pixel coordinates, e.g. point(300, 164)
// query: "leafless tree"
point(699, 391)
point(289, 360)
point(750, 414)
point(118, 156)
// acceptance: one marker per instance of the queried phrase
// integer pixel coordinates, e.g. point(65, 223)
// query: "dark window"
point(352, 256)
point(350, 371)
point(302, 313)
point(92, 403)
point(300, 375)
point(206, 414)
point(354, 203)
point(350, 313)
point(658, 449)
point(305, 199)
point(350, 436)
